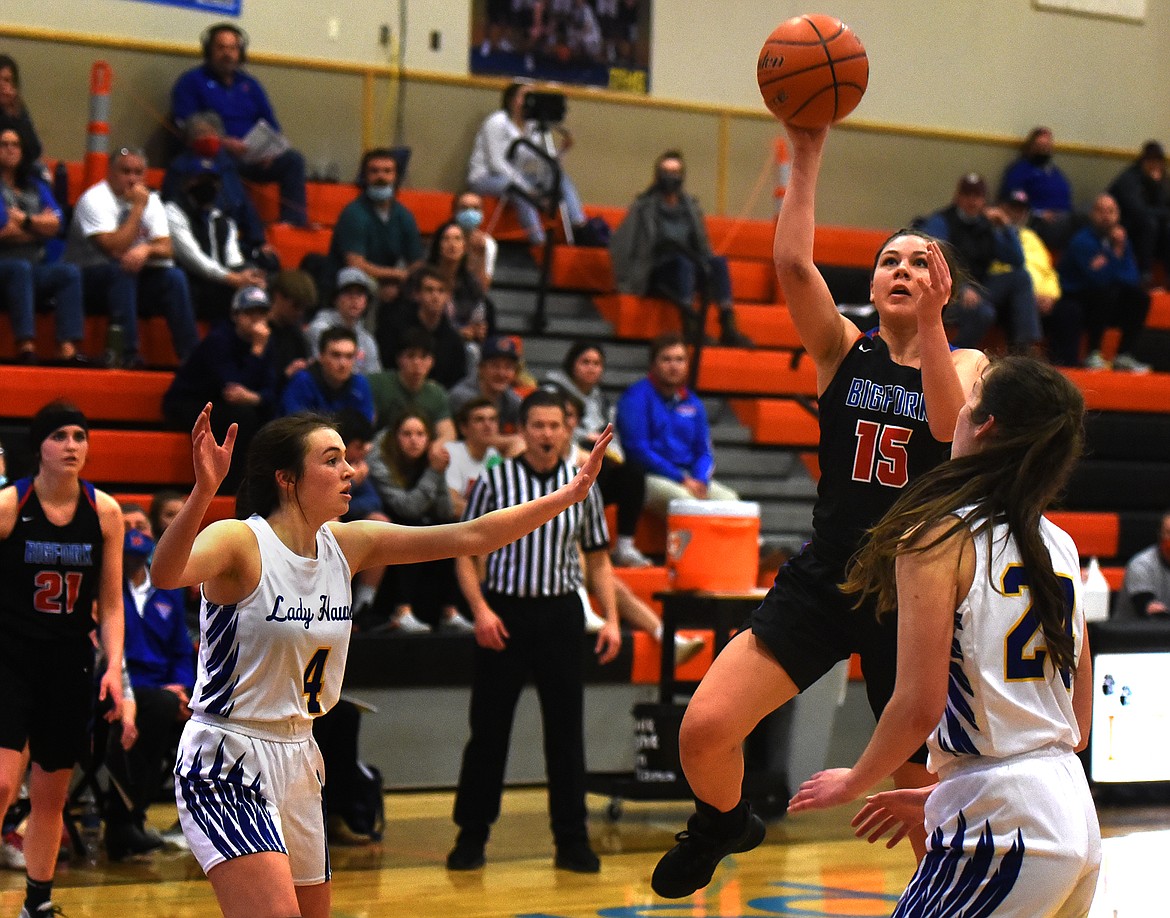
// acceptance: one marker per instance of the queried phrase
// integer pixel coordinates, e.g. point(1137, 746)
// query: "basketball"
point(812, 71)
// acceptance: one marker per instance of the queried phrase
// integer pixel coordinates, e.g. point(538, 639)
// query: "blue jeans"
point(288, 171)
point(676, 278)
point(497, 186)
point(22, 283)
point(969, 322)
point(122, 292)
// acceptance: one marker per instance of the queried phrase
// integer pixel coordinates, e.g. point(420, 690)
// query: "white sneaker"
point(1096, 361)
point(12, 852)
point(408, 624)
point(687, 648)
point(627, 555)
point(1127, 363)
point(173, 838)
point(457, 624)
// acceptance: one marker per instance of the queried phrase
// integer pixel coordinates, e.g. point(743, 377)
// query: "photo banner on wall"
point(603, 43)
point(222, 7)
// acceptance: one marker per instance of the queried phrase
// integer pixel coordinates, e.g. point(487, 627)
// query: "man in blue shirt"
point(219, 85)
point(331, 385)
point(663, 428)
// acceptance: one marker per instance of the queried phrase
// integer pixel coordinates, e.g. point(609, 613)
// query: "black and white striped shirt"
point(545, 562)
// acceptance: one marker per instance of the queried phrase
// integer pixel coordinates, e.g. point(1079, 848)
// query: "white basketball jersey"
point(279, 654)
point(1004, 697)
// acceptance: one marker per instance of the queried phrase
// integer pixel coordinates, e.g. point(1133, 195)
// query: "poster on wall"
point(222, 7)
point(603, 43)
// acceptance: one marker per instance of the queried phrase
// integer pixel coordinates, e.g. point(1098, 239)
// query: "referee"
point(529, 622)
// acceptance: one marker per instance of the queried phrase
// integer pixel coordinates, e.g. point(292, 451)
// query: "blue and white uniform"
point(1012, 825)
point(249, 775)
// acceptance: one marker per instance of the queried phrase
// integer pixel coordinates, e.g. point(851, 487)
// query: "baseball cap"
point(1151, 149)
point(250, 298)
point(972, 183)
point(356, 277)
point(499, 346)
point(137, 542)
point(1019, 196)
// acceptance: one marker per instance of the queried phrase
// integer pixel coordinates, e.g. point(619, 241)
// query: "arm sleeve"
point(48, 202)
point(298, 394)
point(365, 396)
point(633, 425)
point(594, 531)
point(936, 226)
point(186, 249)
point(264, 105)
point(704, 465)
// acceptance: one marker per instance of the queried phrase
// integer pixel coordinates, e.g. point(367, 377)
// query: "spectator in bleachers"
point(120, 238)
point(230, 369)
point(1147, 577)
point(376, 232)
point(134, 516)
point(161, 661)
point(661, 248)
point(470, 309)
point(330, 385)
point(410, 388)
point(494, 379)
point(424, 305)
point(482, 248)
point(1102, 286)
point(165, 505)
point(292, 294)
point(1047, 187)
point(206, 243)
point(526, 178)
point(220, 85)
point(1143, 196)
point(13, 112)
point(354, 293)
point(410, 478)
point(663, 427)
point(622, 482)
point(204, 136)
point(478, 423)
point(29, 217)
point(980, 235)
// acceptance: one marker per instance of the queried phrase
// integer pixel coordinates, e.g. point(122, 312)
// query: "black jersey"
point(51, 574)
point(874, 440)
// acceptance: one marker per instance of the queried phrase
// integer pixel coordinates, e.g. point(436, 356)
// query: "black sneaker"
point(690, 864)
point(577, 857)
point(465, 856)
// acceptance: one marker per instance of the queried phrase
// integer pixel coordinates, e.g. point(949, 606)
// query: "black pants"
point(624, 484)
point(1119, 306)
point(139, 770)
point(546, 644)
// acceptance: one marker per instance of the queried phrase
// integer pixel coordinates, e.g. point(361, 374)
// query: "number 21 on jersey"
point(881, 454)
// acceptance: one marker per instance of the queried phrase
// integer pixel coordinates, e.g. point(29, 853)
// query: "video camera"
point(545, 107)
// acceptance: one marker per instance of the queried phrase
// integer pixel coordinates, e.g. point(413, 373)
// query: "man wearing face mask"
point(1048, 189)
point(1147, 577)
point(467, 211)
point(376, 232)
point(206, 244)
point(662, 249)
point(204, 136)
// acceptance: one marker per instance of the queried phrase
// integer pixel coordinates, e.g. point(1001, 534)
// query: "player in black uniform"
point(888, 403)
point(60, 554)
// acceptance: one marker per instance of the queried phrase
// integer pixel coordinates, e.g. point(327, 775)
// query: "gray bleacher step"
point(754, 462)
point(560, 325)
point(618, 356)
point(769, 488)
point(556, 305)
point(787, 517)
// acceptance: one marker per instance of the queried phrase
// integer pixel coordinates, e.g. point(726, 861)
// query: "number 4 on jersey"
point(315, 680)
point(881, 454)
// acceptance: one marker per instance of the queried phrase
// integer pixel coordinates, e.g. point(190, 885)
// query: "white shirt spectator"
point(98, 211)
point(191, 257)
point(463, 470)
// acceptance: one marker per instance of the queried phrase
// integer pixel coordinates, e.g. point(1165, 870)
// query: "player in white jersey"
point(274, 634)
point(993, 664)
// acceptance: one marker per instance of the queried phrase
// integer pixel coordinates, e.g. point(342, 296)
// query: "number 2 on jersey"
point(315, 679)
point(886, 443)
point(1023, 646)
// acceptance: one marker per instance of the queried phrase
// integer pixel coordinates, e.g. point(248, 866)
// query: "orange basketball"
point(812, 71)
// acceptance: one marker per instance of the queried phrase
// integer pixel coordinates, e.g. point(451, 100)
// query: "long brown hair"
point(404, 471)
point(279, 446)
point(1022, 465)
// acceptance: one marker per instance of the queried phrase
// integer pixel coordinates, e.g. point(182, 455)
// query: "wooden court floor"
point(810, 866)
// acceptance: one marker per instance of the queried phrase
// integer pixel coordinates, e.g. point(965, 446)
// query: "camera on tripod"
point(545, 107)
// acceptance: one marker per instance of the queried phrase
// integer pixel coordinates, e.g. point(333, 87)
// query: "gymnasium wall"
point(953, 85)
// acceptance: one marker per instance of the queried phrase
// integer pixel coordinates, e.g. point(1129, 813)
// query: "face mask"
point(469, 219)
point(380, 193)
point(1040, 159)
point(203, 193)
point(669, 184)
point(207, 146)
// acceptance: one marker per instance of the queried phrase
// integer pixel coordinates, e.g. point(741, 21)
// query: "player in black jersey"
point(888, 403)
point(60, 563)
